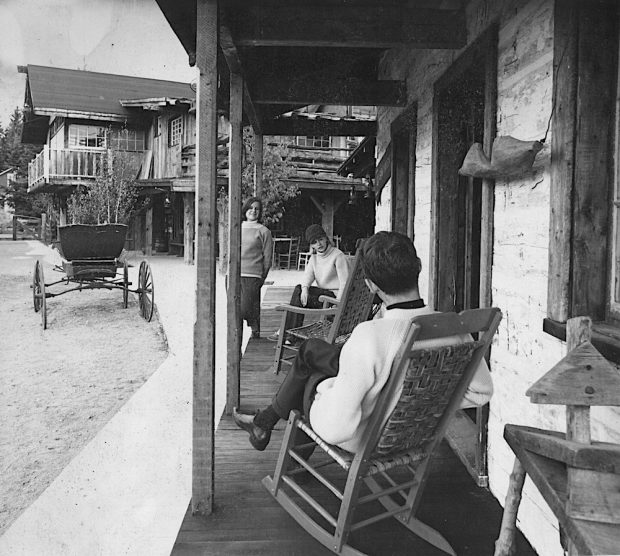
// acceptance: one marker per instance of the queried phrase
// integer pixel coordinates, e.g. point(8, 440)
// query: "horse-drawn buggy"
point(91, 261)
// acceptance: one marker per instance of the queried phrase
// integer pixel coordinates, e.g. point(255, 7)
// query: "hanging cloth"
point(510, 157)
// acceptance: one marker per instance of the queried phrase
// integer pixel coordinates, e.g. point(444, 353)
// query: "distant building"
point(79, 116)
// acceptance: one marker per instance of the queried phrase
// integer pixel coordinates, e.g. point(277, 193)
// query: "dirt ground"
point(58, 387)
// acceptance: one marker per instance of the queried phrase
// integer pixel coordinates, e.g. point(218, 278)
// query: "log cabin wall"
point(522, 352)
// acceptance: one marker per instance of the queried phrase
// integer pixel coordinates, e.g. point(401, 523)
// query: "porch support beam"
point(327, 206)
point(319, 127)
point(348, 91)
point(203, 431)
point(189, 216)
point(372, 26)
point(235, 325)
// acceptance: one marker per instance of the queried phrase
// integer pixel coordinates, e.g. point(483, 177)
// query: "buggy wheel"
point(147, 293)
point(38, 293)
point(125, 284)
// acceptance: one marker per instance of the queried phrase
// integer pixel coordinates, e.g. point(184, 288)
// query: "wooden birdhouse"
point(582, 379)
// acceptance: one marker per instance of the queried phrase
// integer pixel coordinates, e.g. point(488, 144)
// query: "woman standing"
point(256, 253)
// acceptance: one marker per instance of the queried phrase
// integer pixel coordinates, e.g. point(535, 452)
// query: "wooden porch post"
point(203, 432)
point(327, 206)
point(189, 215)
point(258, 164)
point(235, 326)
point(148, 230)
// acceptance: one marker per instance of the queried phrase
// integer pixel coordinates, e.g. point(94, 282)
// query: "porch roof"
point(293, 55)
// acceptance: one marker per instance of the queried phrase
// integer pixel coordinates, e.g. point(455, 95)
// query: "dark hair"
point(314, 232)
point(248, 205)
point(391, 262)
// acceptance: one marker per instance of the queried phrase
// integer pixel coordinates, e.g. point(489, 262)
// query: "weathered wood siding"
point(167, 160)
point(522, 352)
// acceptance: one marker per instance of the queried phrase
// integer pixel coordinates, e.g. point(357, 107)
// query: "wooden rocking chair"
point(392, 466)
point(336, 321)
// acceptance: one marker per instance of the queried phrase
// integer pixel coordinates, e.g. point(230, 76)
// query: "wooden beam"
point(318, 127)
point(203, 430)
point(355, 26)
point(235, 326)
point(487, 209)
point(565, 38)
point(593, 165)
point(189, 220)
point(349, 91)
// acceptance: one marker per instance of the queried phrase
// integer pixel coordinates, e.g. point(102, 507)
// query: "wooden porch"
point(247, 520)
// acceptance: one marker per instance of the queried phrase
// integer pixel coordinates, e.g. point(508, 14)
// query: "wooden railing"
point(69, 164)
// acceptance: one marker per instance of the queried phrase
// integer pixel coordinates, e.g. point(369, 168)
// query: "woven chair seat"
point(376, 464)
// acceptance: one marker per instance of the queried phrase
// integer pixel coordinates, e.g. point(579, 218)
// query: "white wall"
point(521, 353)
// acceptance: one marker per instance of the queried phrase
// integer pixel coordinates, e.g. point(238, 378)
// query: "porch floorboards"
point(247, 520)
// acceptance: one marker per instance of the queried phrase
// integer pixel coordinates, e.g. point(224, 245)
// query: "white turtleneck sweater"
point(343, 404)
point(329, 270)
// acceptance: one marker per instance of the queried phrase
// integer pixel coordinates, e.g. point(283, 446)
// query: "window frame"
point(311, 141)
point(175, 131)
point(584, 173)
point(115, 139)
point(100, 137)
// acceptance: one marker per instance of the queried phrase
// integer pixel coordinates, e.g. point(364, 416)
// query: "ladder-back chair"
point(336, 320)
point(428, 380)
point(288, 259)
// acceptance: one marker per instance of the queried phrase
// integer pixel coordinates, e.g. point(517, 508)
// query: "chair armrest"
point(325, 299)
point(305, 310)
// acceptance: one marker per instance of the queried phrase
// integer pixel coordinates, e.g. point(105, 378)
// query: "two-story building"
point(80, 116)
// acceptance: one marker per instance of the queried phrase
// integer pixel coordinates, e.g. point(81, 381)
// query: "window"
point(126, 140)
point(316, 141)
point(175, 129)
point(86, 136)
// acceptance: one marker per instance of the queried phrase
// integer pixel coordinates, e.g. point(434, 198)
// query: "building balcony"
point(58, 167)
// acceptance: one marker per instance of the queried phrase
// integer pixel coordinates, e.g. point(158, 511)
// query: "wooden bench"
point(579, 479)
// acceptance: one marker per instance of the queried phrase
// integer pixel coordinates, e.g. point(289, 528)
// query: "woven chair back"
point(431, 377)
point(356, 301)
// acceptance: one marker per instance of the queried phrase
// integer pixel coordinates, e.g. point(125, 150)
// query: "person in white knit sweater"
point(338, 389)
point(328, 267)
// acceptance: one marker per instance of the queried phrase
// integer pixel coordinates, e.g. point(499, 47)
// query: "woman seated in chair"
point(339, 387)
point(328, 267)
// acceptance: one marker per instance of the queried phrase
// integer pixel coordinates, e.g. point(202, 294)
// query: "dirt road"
point(58, 387)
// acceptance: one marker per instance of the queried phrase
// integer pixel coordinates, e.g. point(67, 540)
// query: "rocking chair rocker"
point(426, 386)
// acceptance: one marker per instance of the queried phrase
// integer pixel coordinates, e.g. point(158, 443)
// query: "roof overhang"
point(156, 103)
point(361, 162)
point(295, 54)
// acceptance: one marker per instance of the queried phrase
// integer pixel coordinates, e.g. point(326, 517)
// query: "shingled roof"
point(88, 94)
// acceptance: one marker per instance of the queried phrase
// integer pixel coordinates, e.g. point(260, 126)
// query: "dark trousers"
point(250, 301)
point(315, 361)
point(294, 320)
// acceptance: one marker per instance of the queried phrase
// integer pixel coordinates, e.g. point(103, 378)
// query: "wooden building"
point(80, 115)
point(540, 243)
